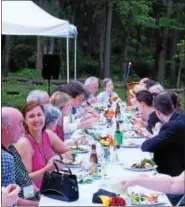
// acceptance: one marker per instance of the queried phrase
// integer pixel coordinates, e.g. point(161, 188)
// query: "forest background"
point(111, 33)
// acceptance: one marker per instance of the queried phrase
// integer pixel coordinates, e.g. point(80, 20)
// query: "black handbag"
point(60, 184)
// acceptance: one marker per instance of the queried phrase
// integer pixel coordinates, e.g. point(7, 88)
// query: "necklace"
point(42, 152)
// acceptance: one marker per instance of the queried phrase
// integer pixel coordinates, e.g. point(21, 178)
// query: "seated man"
point(14, 171)
point(169, 145)
point(92, 85)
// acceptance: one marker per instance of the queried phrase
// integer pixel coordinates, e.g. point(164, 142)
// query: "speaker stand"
point(49, 84)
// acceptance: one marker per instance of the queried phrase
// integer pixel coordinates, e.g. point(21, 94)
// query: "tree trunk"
point(51, 45)
point(39, 55)
point(162, 53)
point(172, 52)
point(7, 55)
point(102, 35)
point(108, 43)
point(125, 58)
point(162, 57)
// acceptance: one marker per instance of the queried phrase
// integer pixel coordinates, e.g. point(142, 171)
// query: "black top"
point(169, 146)
point(152, 120)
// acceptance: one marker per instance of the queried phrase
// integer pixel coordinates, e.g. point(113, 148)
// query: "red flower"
point(117, 201)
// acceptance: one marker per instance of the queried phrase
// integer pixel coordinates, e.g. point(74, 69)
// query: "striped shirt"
point(21, 174)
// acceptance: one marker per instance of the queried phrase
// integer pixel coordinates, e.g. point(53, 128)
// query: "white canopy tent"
point(26, 18)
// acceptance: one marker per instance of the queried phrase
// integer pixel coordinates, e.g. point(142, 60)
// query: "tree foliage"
point(143, 32)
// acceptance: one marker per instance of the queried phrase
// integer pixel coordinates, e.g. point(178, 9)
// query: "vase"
point(106, 154)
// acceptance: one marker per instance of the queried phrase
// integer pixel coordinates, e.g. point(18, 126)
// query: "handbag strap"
point(57, 168)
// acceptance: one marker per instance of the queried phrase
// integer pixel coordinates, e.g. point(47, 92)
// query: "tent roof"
point(26, 18)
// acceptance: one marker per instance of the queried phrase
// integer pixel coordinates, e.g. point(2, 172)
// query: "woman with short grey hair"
point(52, 116)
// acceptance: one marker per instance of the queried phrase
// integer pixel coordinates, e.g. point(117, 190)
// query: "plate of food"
point(80, 149)
point(142, 199)
point(75, 163)
point(132, 134)
point(143, 166)
point(130, 144)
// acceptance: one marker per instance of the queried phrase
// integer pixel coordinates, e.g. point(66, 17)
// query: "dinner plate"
point(73, 166)
point(134, 137)
point(140, 169)
point(81, 151)
point(130, 146)
point(147, 204)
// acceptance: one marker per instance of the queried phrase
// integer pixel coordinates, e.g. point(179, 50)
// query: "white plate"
point(133, 137)
point(130, 146)
point(140, 169)
point(148, 204)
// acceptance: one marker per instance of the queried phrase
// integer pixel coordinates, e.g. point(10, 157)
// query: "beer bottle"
point(93, 158)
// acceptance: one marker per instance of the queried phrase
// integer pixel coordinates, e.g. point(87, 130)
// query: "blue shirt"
point(7, 169)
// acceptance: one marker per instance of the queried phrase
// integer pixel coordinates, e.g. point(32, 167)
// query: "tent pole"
point(75, 61)
point(67, 59)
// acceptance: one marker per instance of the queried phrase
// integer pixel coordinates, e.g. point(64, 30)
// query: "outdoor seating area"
point(112, 135)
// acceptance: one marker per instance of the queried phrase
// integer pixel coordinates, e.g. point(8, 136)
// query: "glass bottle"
point(118, 134)
point(93, 158)
point(118, 112)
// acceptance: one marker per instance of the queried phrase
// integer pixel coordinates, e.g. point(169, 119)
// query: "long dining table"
point(115, 171)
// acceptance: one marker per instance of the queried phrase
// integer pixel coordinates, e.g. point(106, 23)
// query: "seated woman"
point(38, 145)
point(77, 93)
point(133, 92)
point(144, 101)
point(53, 116)
point(108, 92)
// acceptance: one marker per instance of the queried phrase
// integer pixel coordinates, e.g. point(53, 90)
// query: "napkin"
point(101, 192)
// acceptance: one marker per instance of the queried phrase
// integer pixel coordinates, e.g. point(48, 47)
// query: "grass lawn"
point(24, 88)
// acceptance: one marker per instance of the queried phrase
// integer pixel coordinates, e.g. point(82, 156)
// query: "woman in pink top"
point(38, 146)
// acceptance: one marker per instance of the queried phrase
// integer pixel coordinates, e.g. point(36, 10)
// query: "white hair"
point(90, 80)
point(36, 95)
point(52, 114)
point(158, 88)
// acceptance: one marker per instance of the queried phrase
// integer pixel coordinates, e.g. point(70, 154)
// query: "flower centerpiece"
point(109, 113)
point(107, 142)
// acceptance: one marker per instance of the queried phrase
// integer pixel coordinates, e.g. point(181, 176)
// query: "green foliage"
point(23, 54)
point(28, 73)
point(181, 50)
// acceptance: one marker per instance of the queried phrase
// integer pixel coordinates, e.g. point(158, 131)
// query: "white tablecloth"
point(127, 156)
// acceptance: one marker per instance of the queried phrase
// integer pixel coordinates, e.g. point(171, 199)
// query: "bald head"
point(8, 114)
point(12, 125)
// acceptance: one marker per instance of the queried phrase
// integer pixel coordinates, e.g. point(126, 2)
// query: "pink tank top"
point(42, 153)
point(59, 132)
